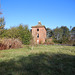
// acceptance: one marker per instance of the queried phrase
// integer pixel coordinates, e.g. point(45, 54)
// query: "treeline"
point(20, 32)
point(62, 35)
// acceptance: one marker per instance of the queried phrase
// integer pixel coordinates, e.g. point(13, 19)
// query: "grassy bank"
point(42, 60)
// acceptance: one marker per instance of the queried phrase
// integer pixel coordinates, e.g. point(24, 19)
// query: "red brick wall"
point(41, 32)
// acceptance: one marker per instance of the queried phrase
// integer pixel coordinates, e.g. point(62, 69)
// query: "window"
point(37, 29)
point(37, 35)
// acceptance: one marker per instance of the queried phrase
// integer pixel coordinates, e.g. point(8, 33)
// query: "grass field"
point(42, 60)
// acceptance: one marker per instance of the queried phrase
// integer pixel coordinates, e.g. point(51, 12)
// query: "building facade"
point(39, 33)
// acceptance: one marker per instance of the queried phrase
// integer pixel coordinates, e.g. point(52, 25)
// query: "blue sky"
point(51, 13)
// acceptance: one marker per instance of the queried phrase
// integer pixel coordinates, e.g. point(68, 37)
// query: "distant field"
point(42, 60)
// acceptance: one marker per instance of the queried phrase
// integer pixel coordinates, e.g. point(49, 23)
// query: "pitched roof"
point(38, 25)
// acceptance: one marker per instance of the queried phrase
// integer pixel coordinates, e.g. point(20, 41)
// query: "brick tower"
point(39, 33)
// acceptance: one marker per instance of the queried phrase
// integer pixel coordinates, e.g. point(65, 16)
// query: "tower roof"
point(38, 25)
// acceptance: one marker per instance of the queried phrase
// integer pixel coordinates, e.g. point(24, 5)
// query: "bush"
point(74, 43)
point(2, 46)
point(49, 41)
point(10, 43)
point(57, 41)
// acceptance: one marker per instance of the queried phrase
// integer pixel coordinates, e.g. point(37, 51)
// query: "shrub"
point(57, 41)
point(2, 46)
point(71, 42)
point(49, 41)
point(10, 43)
point(74, 43)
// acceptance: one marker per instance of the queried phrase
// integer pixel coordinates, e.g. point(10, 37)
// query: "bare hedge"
point(10, 44)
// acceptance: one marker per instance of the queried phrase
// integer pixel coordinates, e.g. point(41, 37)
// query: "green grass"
point(42, 60)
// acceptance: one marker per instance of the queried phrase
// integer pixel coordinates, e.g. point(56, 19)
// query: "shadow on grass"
point(40, 64)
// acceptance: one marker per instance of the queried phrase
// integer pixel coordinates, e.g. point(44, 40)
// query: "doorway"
point(37, 41)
